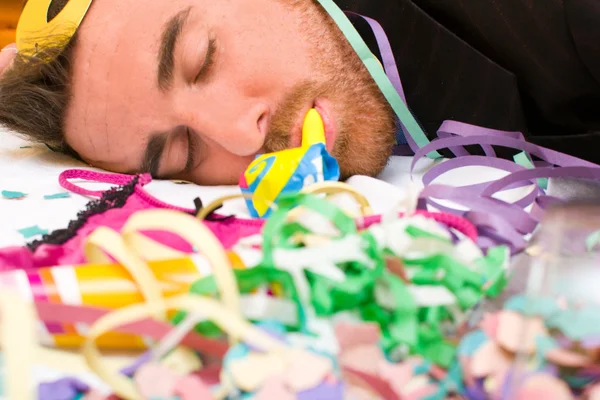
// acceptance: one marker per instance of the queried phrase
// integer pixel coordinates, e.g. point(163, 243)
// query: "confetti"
point(306, 370)
point(63, 195)
point(155, 381)
point(25, 147)
point(353, 335)
point(274, 389)
point(329, 391)
point(251, 372)
point(191, 387)
point(32, 231)
point(512, 327)
point(12, 195)
point(94, 395)
point(63, 389)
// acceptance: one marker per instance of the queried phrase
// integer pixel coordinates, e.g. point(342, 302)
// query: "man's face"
point(194, 89)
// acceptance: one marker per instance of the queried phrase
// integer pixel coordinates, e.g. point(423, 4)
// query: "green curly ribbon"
point(248, 280)
point(371, 291)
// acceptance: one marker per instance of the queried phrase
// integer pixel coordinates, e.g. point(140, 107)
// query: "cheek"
point(221, 169)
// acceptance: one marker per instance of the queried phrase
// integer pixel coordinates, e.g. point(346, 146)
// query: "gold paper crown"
point(34, 32)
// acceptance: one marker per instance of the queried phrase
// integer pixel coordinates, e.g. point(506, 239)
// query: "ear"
point(7, 55)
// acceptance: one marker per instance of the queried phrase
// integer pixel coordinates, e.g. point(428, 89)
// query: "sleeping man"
point(194, 89)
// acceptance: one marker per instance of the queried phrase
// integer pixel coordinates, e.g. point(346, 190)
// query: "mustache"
point(287, 114)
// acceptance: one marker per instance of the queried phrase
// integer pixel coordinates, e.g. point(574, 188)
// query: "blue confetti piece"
point(578, 381)
point(516, 303)
point(472, 342)
point(422, 369)
point(32, 231)
point(64, 195)
point(545, 307)
point(440, 395)
point(576, 324)
point(543, 345)
point(12, 195)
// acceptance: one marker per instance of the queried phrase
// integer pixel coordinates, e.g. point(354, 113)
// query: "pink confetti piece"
point(252, 371)
point(489, 324)
point(209, 374)
point(593, 392)
point(566, 358)
point(512, 326)
point(490, 360)
point(306, 370)
point(153, 380)
point(543, 386)
point(421, 393)
point(190, 387)
point(351, 335)
point(397, 375)
point(364, 358)
point(378, 385)
point(465, 364)
point(274, 388)
point(437, 372)
point(94, 395)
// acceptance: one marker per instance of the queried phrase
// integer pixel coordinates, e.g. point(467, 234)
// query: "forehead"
point(114, 72)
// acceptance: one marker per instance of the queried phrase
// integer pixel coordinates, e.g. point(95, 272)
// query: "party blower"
point(273, 175)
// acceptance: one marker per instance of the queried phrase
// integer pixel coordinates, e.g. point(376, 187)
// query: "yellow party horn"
point(273, 174)
point(313, 130)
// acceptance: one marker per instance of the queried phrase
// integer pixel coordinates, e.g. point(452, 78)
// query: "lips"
point(324, 108)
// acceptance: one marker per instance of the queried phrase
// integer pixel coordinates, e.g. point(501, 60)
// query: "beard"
point(364, 119)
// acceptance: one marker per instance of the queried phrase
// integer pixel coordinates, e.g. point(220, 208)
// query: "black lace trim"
point(112, 198)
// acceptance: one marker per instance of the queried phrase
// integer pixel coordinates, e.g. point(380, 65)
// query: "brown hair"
point(35, 93)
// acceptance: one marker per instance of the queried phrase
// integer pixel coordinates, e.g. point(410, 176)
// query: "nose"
point(237, 124)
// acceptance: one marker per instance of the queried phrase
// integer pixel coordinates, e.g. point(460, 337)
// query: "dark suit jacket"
point(527, 65)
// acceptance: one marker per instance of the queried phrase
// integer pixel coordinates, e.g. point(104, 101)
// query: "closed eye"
point(209, 60)
point(191, 156)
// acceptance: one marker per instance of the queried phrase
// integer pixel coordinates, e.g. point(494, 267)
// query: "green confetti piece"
point(12, 195)
point(417, 232)
point(32, 231)
point(523, 160)
point(25, 147)
point(404, 329)
point(467, 297)
point(372, 293)
point(247, 280)
point(592, 240)
point(63, 195)
point(439, 352)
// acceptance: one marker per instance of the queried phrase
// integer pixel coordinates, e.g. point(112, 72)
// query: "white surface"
point(35, 171)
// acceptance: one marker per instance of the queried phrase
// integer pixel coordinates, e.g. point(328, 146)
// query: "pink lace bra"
point(112, 209)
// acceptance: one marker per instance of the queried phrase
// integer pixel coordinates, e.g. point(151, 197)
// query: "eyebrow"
point(168, 43)
point(153, 154)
